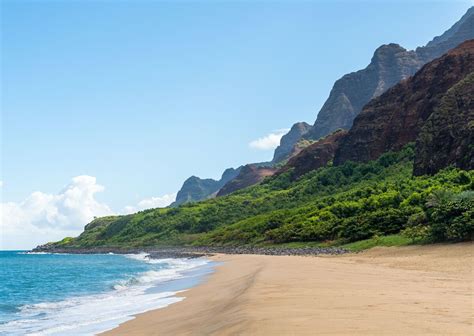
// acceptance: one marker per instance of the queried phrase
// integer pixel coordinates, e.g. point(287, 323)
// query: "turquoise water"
point(67, 294)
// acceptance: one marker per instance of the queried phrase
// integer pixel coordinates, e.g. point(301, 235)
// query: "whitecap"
point(90, 314)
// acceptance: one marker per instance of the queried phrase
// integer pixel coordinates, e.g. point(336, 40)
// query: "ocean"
point(77, 294)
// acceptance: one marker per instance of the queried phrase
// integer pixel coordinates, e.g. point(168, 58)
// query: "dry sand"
point(425, 290)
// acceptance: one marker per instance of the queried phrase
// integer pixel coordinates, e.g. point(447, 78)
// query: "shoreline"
point(425, 290)
point(198, 251)
point(128, 285)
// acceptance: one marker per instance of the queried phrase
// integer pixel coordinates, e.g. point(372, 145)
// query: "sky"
point(108, 106)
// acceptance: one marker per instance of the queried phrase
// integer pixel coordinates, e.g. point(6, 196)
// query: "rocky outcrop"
point(389, 65)
point(195, 251)
point(196, 189)
point(249, 175)
point(289, 140)
point(447, 137)
point(315, 156)
point(396, 117)
point(461, 31)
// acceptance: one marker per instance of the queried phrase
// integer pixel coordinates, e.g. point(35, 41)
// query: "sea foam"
point(90, 314)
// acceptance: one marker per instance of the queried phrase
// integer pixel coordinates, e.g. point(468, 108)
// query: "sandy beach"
point(418, 290)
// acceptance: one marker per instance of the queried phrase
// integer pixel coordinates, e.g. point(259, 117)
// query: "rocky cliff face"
point(196, 189)
point(396, 117)
point(447, 137)
point(461, 31)
point(389, 65)
point(249, 175)
point(289, 140)
point(315, 156)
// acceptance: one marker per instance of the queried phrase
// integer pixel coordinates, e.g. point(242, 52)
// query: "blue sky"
point(143, 94)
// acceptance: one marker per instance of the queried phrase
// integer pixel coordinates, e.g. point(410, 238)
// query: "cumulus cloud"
point(269, 141)
point(152, 202)
point(42, 217)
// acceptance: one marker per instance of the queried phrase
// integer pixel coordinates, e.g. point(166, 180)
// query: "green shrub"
point(451, 216)
point(417, 233)
point(350, 202)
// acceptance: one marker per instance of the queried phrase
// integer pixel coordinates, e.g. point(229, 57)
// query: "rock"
point(198, 251)
point(447, 137)
point(395, 118)
point(249, 175)
point(196, 189)
point(389, 65)
point(315, 156)
point(289, 140)
point(461, 31)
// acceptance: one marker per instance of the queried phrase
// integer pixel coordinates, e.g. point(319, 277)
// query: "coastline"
point(99, 291)
point(423, 290)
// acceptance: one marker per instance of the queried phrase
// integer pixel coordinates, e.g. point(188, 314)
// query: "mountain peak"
point(461, 31)
point(466, 20)
point(387, 50)
point(288, 141)
point(249, 175)
point(390, 64)
point(395, 118)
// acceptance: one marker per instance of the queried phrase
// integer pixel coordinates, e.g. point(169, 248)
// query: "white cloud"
point(1, 183)
point(152, 202)
point(44, 217)
point(269, 141)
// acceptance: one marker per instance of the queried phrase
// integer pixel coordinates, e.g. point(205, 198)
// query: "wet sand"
point(418, 290)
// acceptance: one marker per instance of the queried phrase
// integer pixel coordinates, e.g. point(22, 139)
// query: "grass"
point(298, 244)
point(391, 240)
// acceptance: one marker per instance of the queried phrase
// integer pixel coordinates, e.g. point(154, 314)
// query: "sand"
point(420, 290)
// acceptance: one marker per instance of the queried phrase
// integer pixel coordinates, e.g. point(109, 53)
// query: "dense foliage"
point(339, 204)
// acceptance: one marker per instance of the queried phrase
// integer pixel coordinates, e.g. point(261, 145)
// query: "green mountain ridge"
point(341, 204)
point(389, 65)
point(313, 201)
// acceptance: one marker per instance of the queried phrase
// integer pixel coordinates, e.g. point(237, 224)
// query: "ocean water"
point(71, 294)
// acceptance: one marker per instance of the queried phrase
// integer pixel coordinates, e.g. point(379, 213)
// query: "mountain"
point(461, 31)
point(315, 156)
point(331, 205)
point(196, 189)
point(389, 65)
point(371, 190)
point(447, 137)
point(289, 140)
point(249, 175)
point(396, 118)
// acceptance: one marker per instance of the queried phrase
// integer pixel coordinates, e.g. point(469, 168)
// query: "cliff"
point(315, 156)
point(249, 175)
point(447, 137)
point(396, 117)
point(196, 189)
point(289, 140)
point(389, 65)
point(461, 31)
